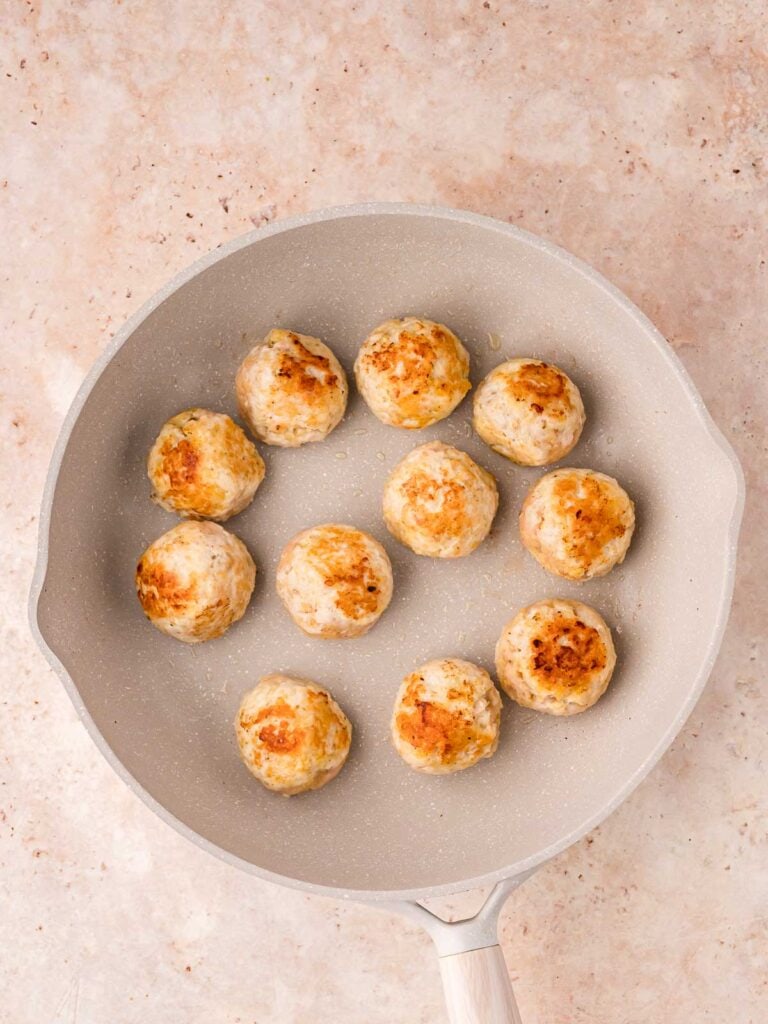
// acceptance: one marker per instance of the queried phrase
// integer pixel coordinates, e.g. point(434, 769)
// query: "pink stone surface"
point(138, 136)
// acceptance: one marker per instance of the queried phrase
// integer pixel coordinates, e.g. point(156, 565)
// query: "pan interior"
point(166, 709)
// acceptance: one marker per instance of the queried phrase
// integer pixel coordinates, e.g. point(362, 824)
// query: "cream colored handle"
point(477, 988)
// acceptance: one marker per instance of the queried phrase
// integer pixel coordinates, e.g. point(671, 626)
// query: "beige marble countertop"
point(138, 136)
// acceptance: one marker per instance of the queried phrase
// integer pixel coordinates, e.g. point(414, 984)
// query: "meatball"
point(291, 389)
point(446, 716)
point(529, 411)
point(203, 466)
point(577, 523)
point(292, 734)
point(412, 372)
point(439, 502)
point(556, 656)
point(334, 580)
point(195, 581)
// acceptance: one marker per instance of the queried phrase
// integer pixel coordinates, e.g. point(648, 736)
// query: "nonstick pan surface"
point(163, 711)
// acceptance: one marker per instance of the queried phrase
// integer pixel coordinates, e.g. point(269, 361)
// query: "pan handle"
point(475, 976)
point(477, 988)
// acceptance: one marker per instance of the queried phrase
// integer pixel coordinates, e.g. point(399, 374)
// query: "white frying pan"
point(162, 712)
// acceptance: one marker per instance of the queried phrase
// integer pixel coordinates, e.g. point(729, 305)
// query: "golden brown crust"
point(412, 372)
point(595, 515)
point(195, 580)
point(413, 356)
point(556, 656)
point(446, 518)
point(446, 716)
point(434, 728)
point(529, 411)
point(577, 523)
point(291, 389)
point(439, 502)
point(303, 372)
point(187, 490)
point(280, 734)
point(335, 580)
point(292, 735)
point(160, 592)
point(565, 655)
point(203, 466)
point(180, 462)
point(347, 569)
point(535, 383)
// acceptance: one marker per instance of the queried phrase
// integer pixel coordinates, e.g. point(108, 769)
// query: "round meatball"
point(195, 581)
point(291, 389)
point(203, 466)
point(556, 656)
point(439, 502)
point(446, 716)
point(577, 523)
point(412, 372)
point(292, 734)
point(529, 411)
point(334, 580)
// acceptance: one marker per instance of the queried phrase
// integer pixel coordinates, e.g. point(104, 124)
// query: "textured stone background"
point(136, 137)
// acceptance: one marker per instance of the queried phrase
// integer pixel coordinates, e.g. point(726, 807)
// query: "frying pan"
point(162, 711)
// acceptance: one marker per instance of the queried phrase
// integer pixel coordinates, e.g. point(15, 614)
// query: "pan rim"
point(654, 336)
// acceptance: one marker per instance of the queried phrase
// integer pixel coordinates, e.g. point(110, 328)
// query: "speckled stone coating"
point(527, 289)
